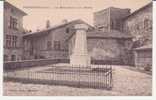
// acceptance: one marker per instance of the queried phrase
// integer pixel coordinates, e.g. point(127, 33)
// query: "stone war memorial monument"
point(80, 54)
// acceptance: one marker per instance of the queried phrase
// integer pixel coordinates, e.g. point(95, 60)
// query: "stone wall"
point(9, 53)
point(39, 43)
point(53, 54)
point(116, 16)
point(114, 50)
point(143, 58)
point(10, 11)
point(34, 45)
point(101, 18)
point(107, 50)
point(40, 47)
point(139, 25)
point(13, 65)
point(110, 18)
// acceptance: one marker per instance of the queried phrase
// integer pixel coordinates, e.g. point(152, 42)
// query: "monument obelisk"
point(80, 54)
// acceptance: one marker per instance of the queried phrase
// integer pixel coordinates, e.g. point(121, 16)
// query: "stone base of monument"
point(80, 60)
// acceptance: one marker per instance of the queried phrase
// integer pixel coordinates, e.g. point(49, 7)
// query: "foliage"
point(147, 68)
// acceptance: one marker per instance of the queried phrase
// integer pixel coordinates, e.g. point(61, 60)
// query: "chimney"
point(64, 21)
point(47, 24)
point(129, 10)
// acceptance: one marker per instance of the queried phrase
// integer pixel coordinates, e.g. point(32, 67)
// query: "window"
point(5, 58)
point(13, 23)
point(67, 30)
point(112, 25)
point(31, 50)
point(11, 41)
point(13, 57)
point(8, 40)
point(57, 45)
point(14, 41)
point(100, 28)
point(12, 10)
point(48, 45)
point(116, 24)
point(137, 26)
point(146, 23)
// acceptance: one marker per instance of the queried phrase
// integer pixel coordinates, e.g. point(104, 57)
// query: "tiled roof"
point(37, 33)
point(44, 31)
point(9, 4)
point(145, 47)
point(108, 34)
point(136, 11)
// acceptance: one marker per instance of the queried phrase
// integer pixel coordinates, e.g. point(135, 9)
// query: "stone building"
point(117, 32)
point(139, 25)
point(110, 18)
point(143, 56)
point(50, 42)
point(13, 31)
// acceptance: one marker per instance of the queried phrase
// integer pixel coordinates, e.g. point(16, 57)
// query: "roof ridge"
point(138, 9)
point(6, 2)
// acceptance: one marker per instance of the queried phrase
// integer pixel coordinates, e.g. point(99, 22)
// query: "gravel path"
point(126, 82)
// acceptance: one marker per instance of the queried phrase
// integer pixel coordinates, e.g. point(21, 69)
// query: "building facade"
point(50, 43)
point(106, 47)
point(139, 25)
point(110, 18)
point(143, 56)
point(115, 35)
point(109, 43)
point(13, 32)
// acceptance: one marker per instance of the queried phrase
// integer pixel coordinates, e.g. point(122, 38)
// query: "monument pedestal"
point(80, 60)
point(80, 55)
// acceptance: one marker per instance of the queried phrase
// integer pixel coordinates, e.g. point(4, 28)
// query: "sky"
point(39, 11)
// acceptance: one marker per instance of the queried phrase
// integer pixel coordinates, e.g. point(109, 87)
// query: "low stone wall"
point(11, 65)
point(143, 58)
point(107, 62)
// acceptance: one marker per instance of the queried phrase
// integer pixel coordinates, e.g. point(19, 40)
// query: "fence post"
point(79, 76)
point(111, 77)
